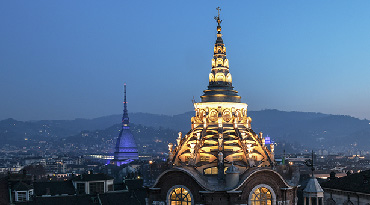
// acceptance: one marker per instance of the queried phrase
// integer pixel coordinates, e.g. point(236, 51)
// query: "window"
point(110, 187)
point(228, 78)
point(212, 170)
point(204, 158)
point(211, 77)
point(22, 196)
point(30, 193)
point(97, 187)
point(220, 77)
point(80, 188)
point(219, 61)
point(261, 196)
point(179, 195)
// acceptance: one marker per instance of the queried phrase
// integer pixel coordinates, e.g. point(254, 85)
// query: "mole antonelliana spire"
point(126, 149)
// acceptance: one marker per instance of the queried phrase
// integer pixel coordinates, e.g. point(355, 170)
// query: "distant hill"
point(148, 139)
point(305, 128)
point(313, 129)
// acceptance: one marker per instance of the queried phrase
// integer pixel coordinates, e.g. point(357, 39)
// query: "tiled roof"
point(92, 177)
point(111, 198)
point(359, 182)
point(313, 186)
point(54, 188)
point(21, 186)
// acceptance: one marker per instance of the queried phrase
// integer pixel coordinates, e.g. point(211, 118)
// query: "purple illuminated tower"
point(126, 149)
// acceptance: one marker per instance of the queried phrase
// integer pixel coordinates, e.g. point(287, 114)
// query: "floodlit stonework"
point(221, 160)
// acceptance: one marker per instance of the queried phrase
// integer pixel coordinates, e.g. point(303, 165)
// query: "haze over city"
point(66, 60)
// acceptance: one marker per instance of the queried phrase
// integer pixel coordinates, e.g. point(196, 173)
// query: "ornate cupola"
point(221, 160)
point(221, 133)
point(126, 149)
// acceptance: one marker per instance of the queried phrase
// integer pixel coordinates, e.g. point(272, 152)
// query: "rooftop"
point(358, 182)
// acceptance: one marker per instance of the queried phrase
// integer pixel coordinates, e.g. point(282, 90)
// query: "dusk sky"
point(70, 59)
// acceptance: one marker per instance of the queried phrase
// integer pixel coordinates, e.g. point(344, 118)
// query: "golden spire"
point(221, 134)
point(220, 87)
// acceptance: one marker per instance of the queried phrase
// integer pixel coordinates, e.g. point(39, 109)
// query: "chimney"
point(332, 175)
point(47, 191)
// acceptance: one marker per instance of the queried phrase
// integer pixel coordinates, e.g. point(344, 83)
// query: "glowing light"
point(192, 145)
point(170, 145)
point(267, 140)
point(210, 105)
point(249, 147)
point(220, 122)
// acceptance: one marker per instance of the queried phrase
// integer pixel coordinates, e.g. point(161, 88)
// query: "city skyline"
point(69, 60)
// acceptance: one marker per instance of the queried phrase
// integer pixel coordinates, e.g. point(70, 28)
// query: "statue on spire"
point(217, 18)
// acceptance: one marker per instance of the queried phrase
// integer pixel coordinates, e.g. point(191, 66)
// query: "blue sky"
point(69, 59)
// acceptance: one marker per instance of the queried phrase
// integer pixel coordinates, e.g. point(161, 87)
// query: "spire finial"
point(125, 119)
point(217, 18)
point(124, 102)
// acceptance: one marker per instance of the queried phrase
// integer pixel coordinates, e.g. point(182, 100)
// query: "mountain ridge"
point(306, 128)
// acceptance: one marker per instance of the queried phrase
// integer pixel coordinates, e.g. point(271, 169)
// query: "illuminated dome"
point(221, 160)
point(126, 149)
point(221, 132)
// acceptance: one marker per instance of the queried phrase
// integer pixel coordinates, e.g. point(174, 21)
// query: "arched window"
point(220, 77)
point(179, 195)
point(262, 195)
point(211, 77)
point(228, 78)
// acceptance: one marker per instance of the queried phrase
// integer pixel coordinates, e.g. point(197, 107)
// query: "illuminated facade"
point(221, 160)
point(126, 149)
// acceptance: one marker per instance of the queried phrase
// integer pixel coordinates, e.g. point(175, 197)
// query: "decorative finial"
point(310, 163)
point(125, 119)
point(217, 18)
point(124, 101)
